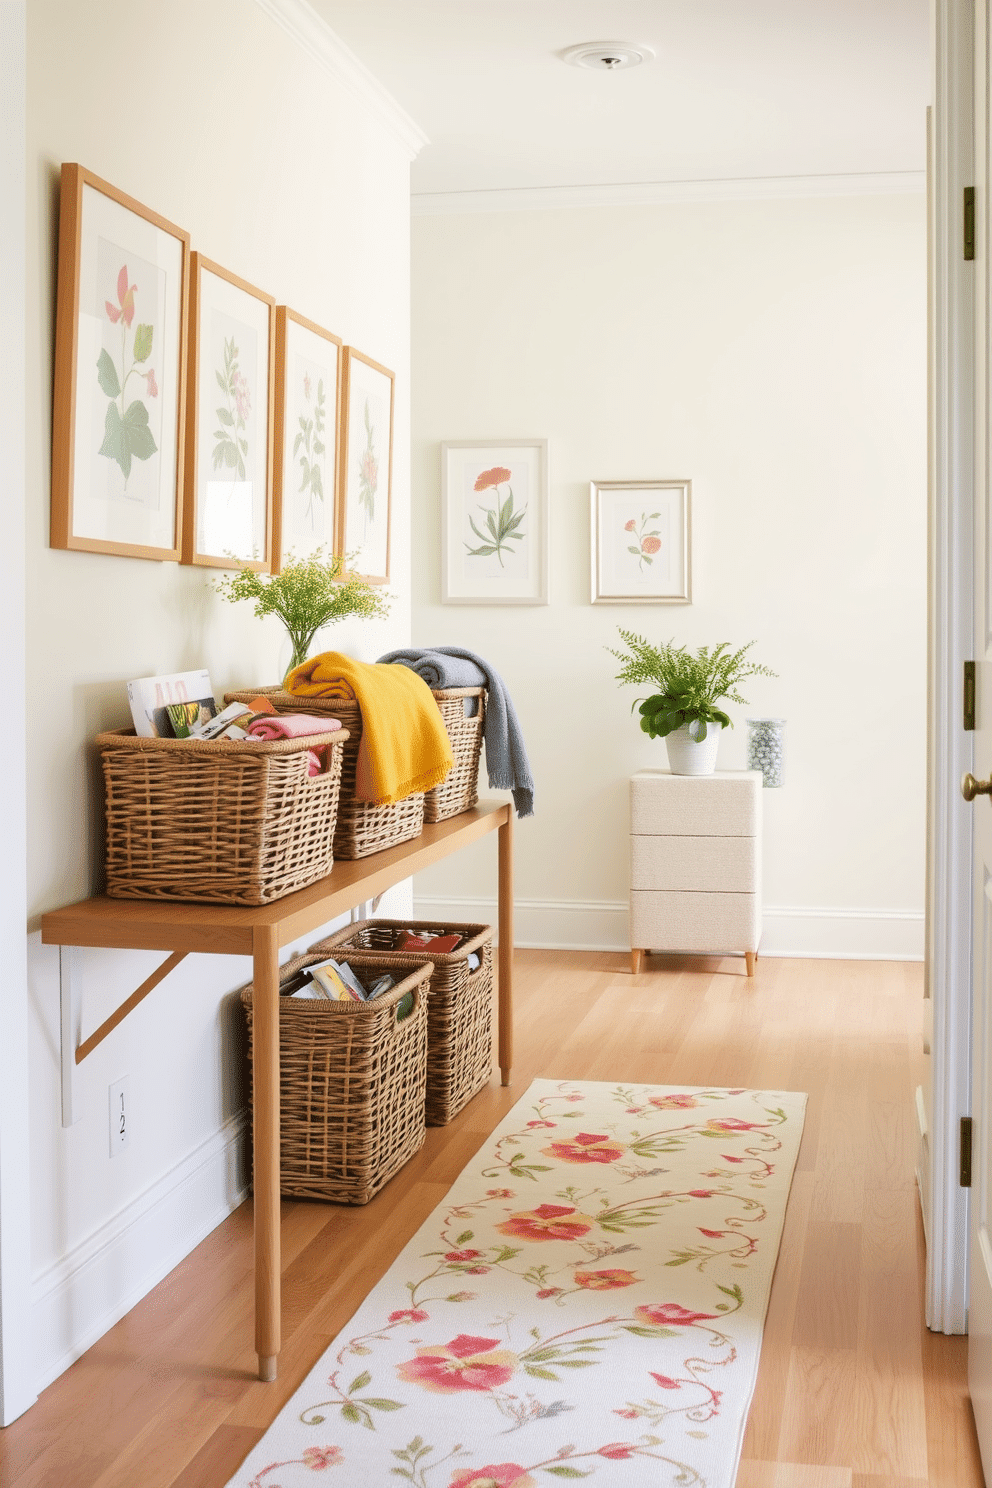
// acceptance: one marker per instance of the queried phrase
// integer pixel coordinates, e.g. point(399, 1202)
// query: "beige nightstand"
point(695, 863)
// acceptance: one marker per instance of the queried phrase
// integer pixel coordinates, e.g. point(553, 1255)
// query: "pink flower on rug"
point(542, 1123)
point(499, 1193)
point(670, 1314)
point(575, 1097)
point(317, 1458)
point(673, 1102)
point(586, 1147)
point(664, 1381)
point(466, 1363)
point(477, 1271)
point(700, 1193)
point(605, 1281)
point(463, 1255)
point(547, 1222)
point(495, 1475)
point(711, 1234)
point(550, 1292)
point(617, 1450)
point(409, 1315)
point(732, 1124)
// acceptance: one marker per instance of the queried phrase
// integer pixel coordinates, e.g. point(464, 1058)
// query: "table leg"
point(636, 962)
point(749, 959)
point(265, 1074)
point(505, 928)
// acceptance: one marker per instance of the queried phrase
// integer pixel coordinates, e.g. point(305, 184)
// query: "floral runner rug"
point(586, 1303)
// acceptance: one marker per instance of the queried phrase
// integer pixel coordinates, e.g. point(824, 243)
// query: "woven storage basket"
point(364, 828)
point(219, 821)
point(459, 791)
point(459, 1005)
point(351, 1084)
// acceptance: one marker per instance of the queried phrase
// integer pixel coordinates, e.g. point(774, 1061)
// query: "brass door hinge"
point(969, 696)
point(968, 222)
point(965, 1175)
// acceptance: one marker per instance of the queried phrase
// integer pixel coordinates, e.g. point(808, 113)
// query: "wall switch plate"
point(120, 1116)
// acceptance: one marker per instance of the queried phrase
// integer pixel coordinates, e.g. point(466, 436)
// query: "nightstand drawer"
point(680, 921)
point(712, 864)
point(726, 804)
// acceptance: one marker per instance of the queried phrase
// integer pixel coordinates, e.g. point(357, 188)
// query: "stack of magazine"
point(336, 981)
point(182, 706)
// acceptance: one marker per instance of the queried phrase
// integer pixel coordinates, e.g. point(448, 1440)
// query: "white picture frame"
point(305, 444)
point(495, 510)
point(641, 541)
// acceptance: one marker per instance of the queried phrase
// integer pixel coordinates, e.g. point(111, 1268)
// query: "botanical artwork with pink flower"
point(646, 543)
point(130, 294)
point(586, 1302)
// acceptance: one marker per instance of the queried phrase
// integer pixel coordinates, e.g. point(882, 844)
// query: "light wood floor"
point(852, 1393)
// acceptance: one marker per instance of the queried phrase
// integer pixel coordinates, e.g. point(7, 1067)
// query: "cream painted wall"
point(215, 117)
point(773, 352)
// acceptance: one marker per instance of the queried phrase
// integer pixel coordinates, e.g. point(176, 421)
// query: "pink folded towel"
point(294, 726)
point(291, 725)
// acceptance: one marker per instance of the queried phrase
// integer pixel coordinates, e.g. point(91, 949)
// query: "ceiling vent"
point(607, 56)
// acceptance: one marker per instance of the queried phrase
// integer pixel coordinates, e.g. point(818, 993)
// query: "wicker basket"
point(220, 821)
point(364, 828)
point(459, 791)
point(459, 1007)
point(351, 1084)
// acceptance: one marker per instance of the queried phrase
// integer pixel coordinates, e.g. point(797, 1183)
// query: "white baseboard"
point(86, 1292)
point(595, 925)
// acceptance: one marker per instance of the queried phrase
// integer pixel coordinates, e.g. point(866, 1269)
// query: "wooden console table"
point(218, 929)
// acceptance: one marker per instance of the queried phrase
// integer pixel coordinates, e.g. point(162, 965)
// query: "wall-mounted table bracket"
point(75, 1051)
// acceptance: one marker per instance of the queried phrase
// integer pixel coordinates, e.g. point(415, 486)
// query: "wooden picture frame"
point(641, 541)
point(363, 523)
point(118, 418)
point(495, 510)
point(307, 434)
point(229, 421)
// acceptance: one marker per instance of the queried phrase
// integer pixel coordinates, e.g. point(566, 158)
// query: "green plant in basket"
point(308, 594)
point(690, 684)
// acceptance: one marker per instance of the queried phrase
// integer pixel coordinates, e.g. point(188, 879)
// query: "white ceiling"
point(739, 88)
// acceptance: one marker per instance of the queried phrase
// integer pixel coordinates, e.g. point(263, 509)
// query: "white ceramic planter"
point(686, 756)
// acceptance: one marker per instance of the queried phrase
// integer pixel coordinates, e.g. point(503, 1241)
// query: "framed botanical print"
point(641, 541)
point(305, 446)
point(228, 509)
point(366, 464)
point(120, 373)
point(494, 522)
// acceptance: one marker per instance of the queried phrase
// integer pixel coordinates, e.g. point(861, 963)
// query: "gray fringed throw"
point(506, 757)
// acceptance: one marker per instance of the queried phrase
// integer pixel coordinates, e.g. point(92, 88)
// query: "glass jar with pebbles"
point(764, 749)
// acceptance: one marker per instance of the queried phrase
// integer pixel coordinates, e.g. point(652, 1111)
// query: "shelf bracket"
point(74, 1050)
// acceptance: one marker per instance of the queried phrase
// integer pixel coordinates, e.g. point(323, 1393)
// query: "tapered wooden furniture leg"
point(505, 928)
point(750, 957)
point(636, 962)
point(265, 1075)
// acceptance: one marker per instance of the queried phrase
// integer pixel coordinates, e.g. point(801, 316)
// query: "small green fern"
point(690, 684)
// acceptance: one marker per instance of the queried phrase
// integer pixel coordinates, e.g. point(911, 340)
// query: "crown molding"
point(314, 36)
point(664, 193)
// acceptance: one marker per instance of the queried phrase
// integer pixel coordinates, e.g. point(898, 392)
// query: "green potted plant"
point(683, 711)
point(308, 594)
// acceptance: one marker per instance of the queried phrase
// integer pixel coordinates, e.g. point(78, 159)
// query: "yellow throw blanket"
point(404, 746)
